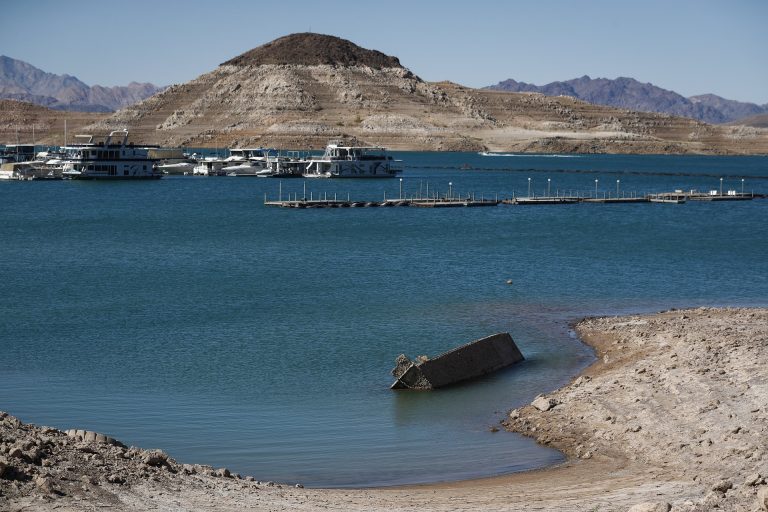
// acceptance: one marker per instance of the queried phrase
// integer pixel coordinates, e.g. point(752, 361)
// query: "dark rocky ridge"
point(310, 49)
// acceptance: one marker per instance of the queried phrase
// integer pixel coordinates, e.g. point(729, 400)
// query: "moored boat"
point(112, 159)
point(243, 169)
point(177, 168)
point(209, 167)
point(342, 161)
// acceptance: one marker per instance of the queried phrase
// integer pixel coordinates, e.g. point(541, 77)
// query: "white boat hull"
point(179, 168)
point(243, 170)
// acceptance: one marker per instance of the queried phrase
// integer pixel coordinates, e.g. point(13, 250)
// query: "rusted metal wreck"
point(468, 361)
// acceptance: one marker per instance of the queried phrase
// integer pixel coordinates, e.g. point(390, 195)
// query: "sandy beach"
point(673, 415)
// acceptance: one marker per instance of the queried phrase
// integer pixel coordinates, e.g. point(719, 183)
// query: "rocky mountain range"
point(24, 82)
point(631, 94)
point(302, 90)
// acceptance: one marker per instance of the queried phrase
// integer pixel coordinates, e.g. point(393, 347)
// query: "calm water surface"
point(183, 314)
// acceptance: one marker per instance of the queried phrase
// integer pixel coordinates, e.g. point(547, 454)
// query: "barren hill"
point(758, 121)
point(302, 90)
point(18, 118)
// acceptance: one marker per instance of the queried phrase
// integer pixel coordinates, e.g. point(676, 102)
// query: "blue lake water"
point(184, 314)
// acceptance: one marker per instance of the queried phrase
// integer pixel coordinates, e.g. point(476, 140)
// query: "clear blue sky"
point(689, 46)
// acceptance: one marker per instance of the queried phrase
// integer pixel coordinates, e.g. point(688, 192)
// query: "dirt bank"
point(674, 415)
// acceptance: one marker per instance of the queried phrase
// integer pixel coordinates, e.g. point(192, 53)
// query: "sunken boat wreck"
point(474, 359)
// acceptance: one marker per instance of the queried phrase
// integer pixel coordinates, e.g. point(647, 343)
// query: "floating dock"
point(453, 200)
point(706, 197)
point(515, 201)
point(541, 200)
point(615, 200)
point(415, 202)
point(474, 359)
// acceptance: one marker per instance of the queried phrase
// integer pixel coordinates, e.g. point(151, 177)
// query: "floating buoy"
point(509, 281)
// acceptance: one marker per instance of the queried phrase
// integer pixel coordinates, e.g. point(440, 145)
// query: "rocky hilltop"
point(302, 90)
point(310, 49)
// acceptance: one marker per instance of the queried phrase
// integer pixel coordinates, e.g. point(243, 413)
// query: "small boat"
point(177, 168)
point(669, 201)
point(677, 197)
point(245, 168)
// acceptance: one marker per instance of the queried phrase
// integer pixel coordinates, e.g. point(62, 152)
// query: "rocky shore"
point(681, 396)
point(672, 416)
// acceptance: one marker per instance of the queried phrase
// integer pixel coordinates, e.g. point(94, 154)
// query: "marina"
point(111, 158)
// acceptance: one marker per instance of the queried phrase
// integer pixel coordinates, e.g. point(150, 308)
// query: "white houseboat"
point(341, 161)
point(209, 166)
point(250, 154)
point(246, 162)
point(112, 159)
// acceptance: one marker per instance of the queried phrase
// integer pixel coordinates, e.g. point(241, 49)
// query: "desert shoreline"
point(671, 416)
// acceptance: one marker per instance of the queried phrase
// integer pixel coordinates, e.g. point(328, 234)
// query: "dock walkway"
point(470, 201)
point(415, 202)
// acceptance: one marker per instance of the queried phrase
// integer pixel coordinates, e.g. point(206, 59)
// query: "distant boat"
point(677, 197)
point(292, 165)
point(527, 155)
point(666, 200)
point(245, 168)
point(491, 153)
point(209, 167)
point(177, 168)
point(340, 161)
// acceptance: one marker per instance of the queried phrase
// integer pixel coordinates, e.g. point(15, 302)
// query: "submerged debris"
point(468, 361)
